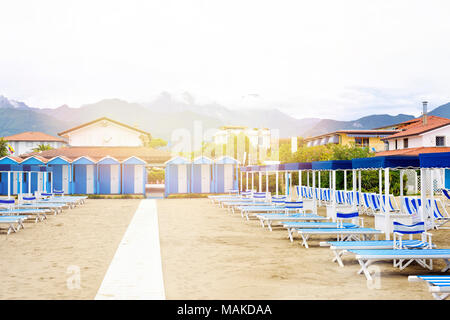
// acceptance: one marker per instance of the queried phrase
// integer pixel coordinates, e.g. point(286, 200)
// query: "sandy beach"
point(38, 262)
point(208, 253)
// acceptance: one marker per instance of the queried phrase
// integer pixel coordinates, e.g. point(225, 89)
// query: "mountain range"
point(164, 114)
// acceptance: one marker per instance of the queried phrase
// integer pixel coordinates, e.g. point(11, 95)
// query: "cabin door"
point(89, 179)
point(138, 179)
point(182, 178)
point(40, 184)
point(65, 179)
point(15, 182)
point(115, 178)
point(206, 178)
point(227, 177)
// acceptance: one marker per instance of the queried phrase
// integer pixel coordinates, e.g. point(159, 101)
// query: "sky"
point(324, 58)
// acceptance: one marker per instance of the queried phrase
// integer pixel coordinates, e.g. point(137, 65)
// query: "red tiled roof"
point(416, 126)
point(413, 151)
point(101, 119)
point(96, 153)
point(33, 136)
point(372, 131)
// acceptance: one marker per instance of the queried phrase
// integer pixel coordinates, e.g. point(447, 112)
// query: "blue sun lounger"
point(14, 223)
point(39, 213)
point(439, 285)
point(341, 247)
point(367, 257)
point(293, 226)
point(342, 234)
point(286, 218)
point(55, 207)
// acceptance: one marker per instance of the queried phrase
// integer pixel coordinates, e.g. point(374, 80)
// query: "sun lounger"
point(341, 247)
point(40, 214)
point(287, 218)
point(56, 208)
point(292, 227)
point(446, 194)
point(367, 257)
point(441, 215)
point(14, 223)
point(439, 285)
point(342, 234)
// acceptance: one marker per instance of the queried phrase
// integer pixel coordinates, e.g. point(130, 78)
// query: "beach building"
point(103, 156)
point(25, 142)
point(426, 134)
point(362, 138)
point(105, 132)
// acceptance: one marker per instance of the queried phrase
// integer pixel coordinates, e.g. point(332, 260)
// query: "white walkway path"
point(135, 271)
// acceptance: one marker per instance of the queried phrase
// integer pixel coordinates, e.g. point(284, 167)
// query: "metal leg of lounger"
point(290, 230)
point(305, 240)
point(337, 256)
point(269, 224)
point(438, 296)
point(364, 266)
point(262, 222)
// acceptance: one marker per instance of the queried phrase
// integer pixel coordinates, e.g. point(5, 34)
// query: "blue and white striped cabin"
point(83, 179)
point(36, 175)
point(7, 173)
point(225, 174)
point(134, 176)
point(177, 176)
point(202, 176)
point(108, 176)
point(61, 174)
point(13, 176)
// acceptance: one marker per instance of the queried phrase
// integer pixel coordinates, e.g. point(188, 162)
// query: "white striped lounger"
point(367, 257)
point(287, 218)
point(341, 247)
point(12, 221)
point(439, 286)
point(254, 210)
point(342, 234)
point(293, 226)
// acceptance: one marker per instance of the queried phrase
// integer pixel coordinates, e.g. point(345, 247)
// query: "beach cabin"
point(134, 176)
point(7, 172)
point(108, 176)
point(14, 178)
point(35, 177)
point(201, 173)
point(83, 176)
point(61, 172)
point(225, 174)
point(177, 176)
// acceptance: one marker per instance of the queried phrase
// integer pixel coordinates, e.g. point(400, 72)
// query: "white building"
point(25, 142)
point(258, 137)
point(105, 132)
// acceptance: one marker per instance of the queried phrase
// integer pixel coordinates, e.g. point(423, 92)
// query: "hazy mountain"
point(365, 123)
point(12, 104)
point(166, 113)
point(442, 111)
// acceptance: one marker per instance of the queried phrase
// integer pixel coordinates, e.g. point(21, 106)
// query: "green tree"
point(42, 147)
point(3, 147)
point(157, 143)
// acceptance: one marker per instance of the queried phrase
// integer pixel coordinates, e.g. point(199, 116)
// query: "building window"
point(73, 173)
point(49, 177)
point(405, 143)
point(362, 142)
point(396, 144)
point(440, 141)
point(386, 146)
point(25, 175)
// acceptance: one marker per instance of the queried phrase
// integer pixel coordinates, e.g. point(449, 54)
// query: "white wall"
point(21, 147)
point(105, 134)
point(427, 139)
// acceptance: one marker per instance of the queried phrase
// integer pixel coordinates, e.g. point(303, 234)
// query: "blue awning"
point(435, 160)
point(332, 165)
point(296, 166)
point(10, 167)
point(395, 162)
